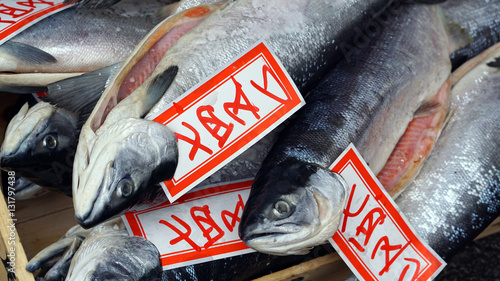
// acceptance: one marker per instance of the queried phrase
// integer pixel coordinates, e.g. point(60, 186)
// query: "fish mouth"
point(8, 162)
point(280, 242)
point(88, 210)
point(16, 156)
point(88, 221)
point(87, 218)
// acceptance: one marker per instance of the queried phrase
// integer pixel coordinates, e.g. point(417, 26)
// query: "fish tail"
point(165, 12)
point(80, 94)
point(24, 53)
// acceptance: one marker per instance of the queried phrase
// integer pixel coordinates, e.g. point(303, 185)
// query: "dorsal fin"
point(495, 63)
point(80, 94)
point(165, 12)
point(159, 86)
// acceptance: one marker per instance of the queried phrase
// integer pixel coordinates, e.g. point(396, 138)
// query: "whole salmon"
point(369, 100)
point(306, 35)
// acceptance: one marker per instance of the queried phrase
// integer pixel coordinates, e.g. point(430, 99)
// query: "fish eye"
point(49, 141)
point(126, 186)
point(282, 208)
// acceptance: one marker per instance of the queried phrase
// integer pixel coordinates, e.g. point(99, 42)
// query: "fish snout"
point(7, 162)
point(85, 220)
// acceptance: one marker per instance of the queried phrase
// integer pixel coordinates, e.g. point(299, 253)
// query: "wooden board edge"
point(329, 267)
point(493, 228)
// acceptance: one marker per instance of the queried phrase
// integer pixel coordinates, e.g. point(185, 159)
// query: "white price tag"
point(16, 16)
point(201, 226)
point(221, 117)
point(374, 238)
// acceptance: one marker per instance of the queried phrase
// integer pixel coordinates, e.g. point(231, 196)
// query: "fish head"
point(39, 145)
point(120, 167)
point(109, 253)
point(293, 208)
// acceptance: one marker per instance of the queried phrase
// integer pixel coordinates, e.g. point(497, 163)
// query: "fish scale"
point(80, 41)
point(291, 30)
point(457, 192)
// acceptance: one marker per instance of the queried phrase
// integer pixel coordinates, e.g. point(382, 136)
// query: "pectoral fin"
point(26, 54)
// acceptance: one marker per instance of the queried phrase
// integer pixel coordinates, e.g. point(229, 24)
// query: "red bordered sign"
point(200, 227)
point(224, 115)
point(15, 16)
point(374, 238)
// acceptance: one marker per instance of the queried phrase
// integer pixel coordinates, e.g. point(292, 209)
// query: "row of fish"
point(477, 189)
point(464, 203)
point(370, 102)
point(401, 71)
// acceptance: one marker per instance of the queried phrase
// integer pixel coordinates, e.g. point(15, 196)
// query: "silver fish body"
point(457, 193)
point(74, 40)
point(369, 101)
point(186, 4)
point(305, 35)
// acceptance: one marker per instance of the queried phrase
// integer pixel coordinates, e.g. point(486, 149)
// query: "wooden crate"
point(42, 221)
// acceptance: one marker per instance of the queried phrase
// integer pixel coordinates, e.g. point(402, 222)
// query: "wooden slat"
point(48, 204)
point(39, 233)
point(328, 268)
point(493, 228)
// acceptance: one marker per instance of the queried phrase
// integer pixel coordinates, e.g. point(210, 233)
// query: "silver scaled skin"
point(457, 193)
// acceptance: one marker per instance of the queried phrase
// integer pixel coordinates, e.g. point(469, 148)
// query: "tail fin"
point(80, 94)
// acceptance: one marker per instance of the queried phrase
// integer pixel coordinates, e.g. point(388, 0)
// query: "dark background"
point(480, 260)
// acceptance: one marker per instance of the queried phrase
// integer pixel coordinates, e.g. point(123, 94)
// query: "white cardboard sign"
point(374, 238)
point(16, 16)
point(224, 115)
point(199, 227)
